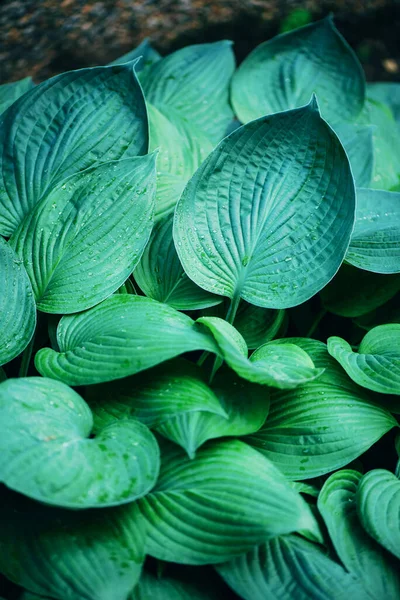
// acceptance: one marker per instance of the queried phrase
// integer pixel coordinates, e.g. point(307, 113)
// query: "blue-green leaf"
point(10, 92)
point(387, 93)
point(145, 51)
point(358, 141)
point(171, 588)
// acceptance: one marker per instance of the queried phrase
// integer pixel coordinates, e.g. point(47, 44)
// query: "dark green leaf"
point(10, 92)
point(169, 588)
point(258, 325)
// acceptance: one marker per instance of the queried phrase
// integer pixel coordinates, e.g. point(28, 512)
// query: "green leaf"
point(360, 554)
point(279, 238)
point(10, 92)
point(376, 365)
point(245, 408)
point(169, 588)
point(322, 425)
point(46, 453)
point(290, 568)
point(277, 366)
point(70, 555)
point(155, 396)
point(388, 313)
point(375, 241)
point(17, 306)
point(219, 505)
point(82, 241)
point(378, 501)
point(355, 292)
point(359, 144)
point(145, 51)
point(386, 93)
point(160, 274)
point(258, 325)
point(121, 336)
point(66, 124)
point(283, 72)
point(3, 375)
point(192, 84)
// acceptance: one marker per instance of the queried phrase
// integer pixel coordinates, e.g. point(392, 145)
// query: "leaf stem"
point(316, 322)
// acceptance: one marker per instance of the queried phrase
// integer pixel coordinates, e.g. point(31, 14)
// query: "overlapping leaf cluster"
point(162, 264)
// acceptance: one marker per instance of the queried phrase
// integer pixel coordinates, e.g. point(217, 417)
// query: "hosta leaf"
point(169, 588)
point(278, 366)
point(160, 274)
point(376, 365)
point(388, 313)
point(245, 407)
point(81, 242)
point(10, 92)
point(46, 453)
point(145, 51)
point(278, 238)
point(219, 505)
point(121, 336)
point(355, 292)
point(17, 306)
point(375, 241)
point(322, 425)
point(359, 145)
point(378, 505)
point(290, 568)
point(258, 325)
point(70, 555)
point(66, 124)
point(155, 396)
point(359, 553)
point(282, 73)
point(387, 93)
point(193, 84)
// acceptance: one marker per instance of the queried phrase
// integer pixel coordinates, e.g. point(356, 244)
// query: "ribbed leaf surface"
point(10, 92)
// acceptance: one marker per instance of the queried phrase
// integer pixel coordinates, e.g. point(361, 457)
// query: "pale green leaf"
point(10, 92)
point(17, 306)
point(387, 93)
point(46, 453)
point(219, 505)
point(66, 124)
point(145, 51)
point(270, 227)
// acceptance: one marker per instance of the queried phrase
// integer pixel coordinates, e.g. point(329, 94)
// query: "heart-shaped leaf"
point(17, 318)
point(10, 92)
point(219, 505)
point(270, 227)
point(282, 73)
point(360, 554)
point(66, 124)
point(121, 336)
point(160, 274)
point(376, 365)
point(70, 555)
point(322, 425)
point(378, 505)
point(375, 241)
point(45, 452)
point(81, 242)
point(192, 84)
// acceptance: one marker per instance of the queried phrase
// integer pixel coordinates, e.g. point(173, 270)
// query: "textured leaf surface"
point(269, 226)
point(378, 505)
point(121, 336)
point(160, 274)
point(82, 241)
point(360, 554)
point(192, 84)
point(169, 588)
point(10, 92)
point(66, 124)
point(290, 568)
point(70, 555)
point(17, 306)
point(226, 500)
point(282, 73)
point(375, 241)
point(322, 425)
point(46, 452)
point(386, 145)
point(376, 365)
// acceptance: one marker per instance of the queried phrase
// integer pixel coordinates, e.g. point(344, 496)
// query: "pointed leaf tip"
point(313, 104)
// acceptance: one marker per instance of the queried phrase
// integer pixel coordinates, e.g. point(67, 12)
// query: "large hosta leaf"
point(376, 365)
point(121, 336)
point(70, 555)
point(322, 425)
point(378, 506)
point(17, 306)
point(282, 73)
point(170, 588)
point(258, 325)
point(66, 124)
point(375, 241)
point(269, 226)
point(10, 92)
point(160, 274)
point(45, 452)
point(359, 144)
point(192, 84)
point(219, 505)
point(81, 242)
point(360, 554)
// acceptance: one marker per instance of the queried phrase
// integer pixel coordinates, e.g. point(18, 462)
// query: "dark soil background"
point(44, 37)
